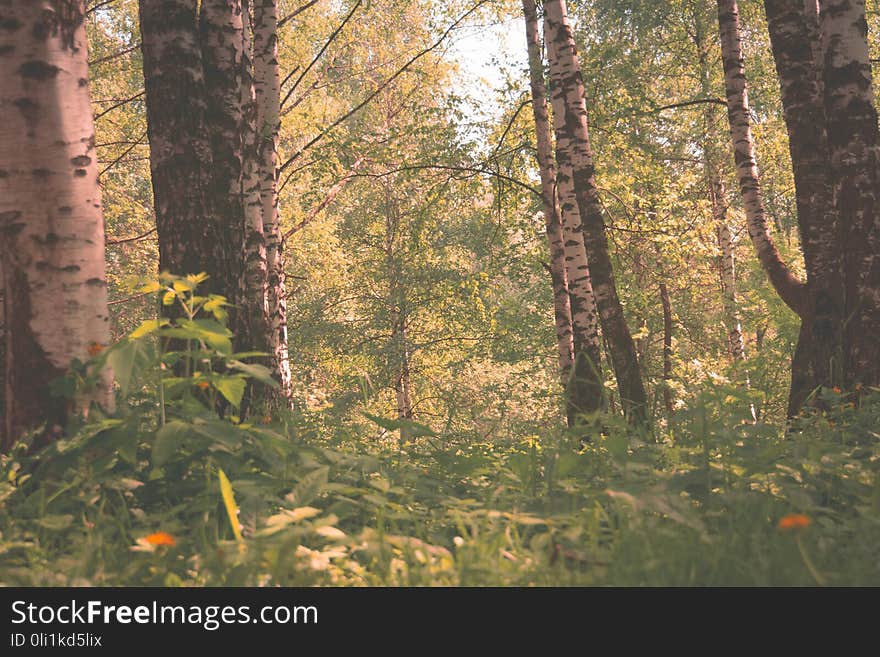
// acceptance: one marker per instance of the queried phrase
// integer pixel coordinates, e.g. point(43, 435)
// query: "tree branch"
point(382, 86)
point(295, 13)
point(321, 51)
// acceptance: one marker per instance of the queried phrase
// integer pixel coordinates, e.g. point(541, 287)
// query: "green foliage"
point(196, 499)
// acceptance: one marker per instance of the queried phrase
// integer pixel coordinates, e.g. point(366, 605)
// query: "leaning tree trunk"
point(790, 289)
point(267, 84)
point(854, 154)
point(572, 140)
point(51, 224)
point(191, 237)
point(797, 52)
point(552, 220)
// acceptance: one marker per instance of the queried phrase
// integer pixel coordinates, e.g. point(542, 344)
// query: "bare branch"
point(295, 13)
point(120, 103)
point(321, 51)
point(115, 55)
point(123, 240)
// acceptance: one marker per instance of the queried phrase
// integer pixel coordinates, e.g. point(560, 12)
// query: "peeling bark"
point(573, 149)
point(51, 222)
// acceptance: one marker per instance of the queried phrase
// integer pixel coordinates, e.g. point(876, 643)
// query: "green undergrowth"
point(175, 490)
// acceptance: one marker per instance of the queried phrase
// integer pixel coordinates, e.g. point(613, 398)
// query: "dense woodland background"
point(442, 392)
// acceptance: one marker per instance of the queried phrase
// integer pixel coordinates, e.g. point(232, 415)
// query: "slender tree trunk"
point(573, 149)
point(191, 237)
point(552, 220)
point(51, 223)
point(790, 289)
point(727, 270)
point(268, 98)
point(854, 154)
point(667, 349)
point(253, 327)
point(397, 312)
point(797, 52)
point(717, 194)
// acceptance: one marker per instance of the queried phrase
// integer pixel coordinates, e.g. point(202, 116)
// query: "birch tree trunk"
point(51, 223)
point(253, 330)
point(267, 84)
point(573, 148)
point(667, 349)
point(790, 289)
point(552, 220)
point(221, 39)
point(191, 238)
point(727, 270)
point(853, 142)
point(398, 315)
point(797, 52)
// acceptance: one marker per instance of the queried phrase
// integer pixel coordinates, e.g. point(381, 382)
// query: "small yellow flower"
point(794, 521)
point(160, 538)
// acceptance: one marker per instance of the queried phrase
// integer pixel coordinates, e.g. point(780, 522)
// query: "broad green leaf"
point(147, 327)
point(168, 440)
point(229, 503)
point(220, 431)
point(231, 387)
point(255, 371)
point(212, 332)
point(129, 359)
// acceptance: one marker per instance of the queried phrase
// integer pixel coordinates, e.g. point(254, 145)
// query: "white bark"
point(51, 222)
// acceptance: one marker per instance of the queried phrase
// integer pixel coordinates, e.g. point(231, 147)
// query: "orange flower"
point(204, 385)
point(794, 521)
point(160, 538)
point(95, 348)
point(267, 419)
point(836, 389)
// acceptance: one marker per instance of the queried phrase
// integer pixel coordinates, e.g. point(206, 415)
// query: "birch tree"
point(573, 146)
point(51, 224)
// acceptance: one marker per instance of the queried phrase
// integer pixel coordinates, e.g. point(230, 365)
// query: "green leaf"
point(55, 522)
point(212, 332)
point(168, 440)
point(220, 431)
point(310, 485)
point(129, 359)
point(255, 371)
point(231, 387)
point(229, 503)
point(413, 428)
